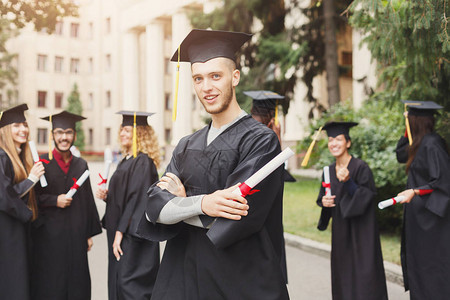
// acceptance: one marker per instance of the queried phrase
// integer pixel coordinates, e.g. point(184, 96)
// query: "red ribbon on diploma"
point(103, 179)
point(75, 186)
point(326, 185)
point(43, 160)
point(246, 190)
point(395, 202)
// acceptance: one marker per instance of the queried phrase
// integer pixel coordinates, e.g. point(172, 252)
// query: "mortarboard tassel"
point(276, 114)
point(408, 129)
point(308, 153)
point(177, 80)
point(134, 136)
point(50, 153)
point(1, 115)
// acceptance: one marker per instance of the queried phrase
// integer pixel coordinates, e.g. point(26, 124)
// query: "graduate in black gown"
point(425, 251)
point(18, 175)
point(357, 270)
point(62, 234)
point(132, 262)
point(218, 248)
point(265, 110)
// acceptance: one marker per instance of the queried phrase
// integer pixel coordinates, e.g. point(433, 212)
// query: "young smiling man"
point(219, 245)
point(62, 235)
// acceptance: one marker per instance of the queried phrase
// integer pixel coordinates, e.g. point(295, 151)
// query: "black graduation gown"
point(60, 267)
point(425, 249)
point(233, 259)
point(14, 218)
point(134, 275)
point(357, 270)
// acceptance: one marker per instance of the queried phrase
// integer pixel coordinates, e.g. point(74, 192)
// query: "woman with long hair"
point(18, 175)
point(357, 270)
point(425, 251)
point(133, 262)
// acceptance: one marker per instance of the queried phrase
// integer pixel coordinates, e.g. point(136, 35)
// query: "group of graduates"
point(220, 245)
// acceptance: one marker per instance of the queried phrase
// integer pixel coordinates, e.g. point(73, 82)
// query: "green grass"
point(301, 215)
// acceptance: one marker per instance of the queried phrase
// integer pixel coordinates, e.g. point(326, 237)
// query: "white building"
point(118, 52)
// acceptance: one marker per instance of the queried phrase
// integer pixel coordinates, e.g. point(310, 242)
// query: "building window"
point(42, 62)
point(168, 65)
point(108, 62)
point(58, 99)
point(91, 137)
point(42, 136)
point(108, 25)
point(74, 65)
point(167, 135)
point(59, 28)
point(91, 65)
point(91, 30)
point(74, 30)
point(108, 136)
point(59, 61)
point(194, 102)
point(42, 97)
point(91, 101)
point(108, 99)
point(167, 102)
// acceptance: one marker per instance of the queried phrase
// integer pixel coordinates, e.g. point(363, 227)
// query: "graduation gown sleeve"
point(10, 201)
point(256, 152)
point(402, 150)
point(325, 214)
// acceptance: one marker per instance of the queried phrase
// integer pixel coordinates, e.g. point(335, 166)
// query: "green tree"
point(14, 15)
point(75, 106)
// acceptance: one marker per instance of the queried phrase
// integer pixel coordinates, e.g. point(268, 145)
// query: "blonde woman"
point(133, 262)
point(18, 175)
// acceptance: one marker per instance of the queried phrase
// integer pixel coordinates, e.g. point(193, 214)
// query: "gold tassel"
point(276, 114)
point(50, 153)
point(1, 115)
point(177, 80)
point(308, 153)
point(408, 129)
point(134, 136)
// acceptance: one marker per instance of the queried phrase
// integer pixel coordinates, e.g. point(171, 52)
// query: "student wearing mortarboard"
point(357, 270)
point(132, 262)
point(425, 252)
point(265, 111)
point(218, 248)
point(18, 175)
point(62, 234)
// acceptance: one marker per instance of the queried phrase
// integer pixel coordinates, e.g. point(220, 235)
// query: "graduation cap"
point(265, 102)
point(63, 120)
point(128, 117)
point(202, 45)
point(13, 115)
point(134, 118)
point(421, 109)
point(333, 130)
point(336, 128)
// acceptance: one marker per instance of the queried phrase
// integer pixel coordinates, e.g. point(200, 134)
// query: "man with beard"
point(62, 234)
point(219, 244)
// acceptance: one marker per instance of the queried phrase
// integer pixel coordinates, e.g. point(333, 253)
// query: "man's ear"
point(236, 77)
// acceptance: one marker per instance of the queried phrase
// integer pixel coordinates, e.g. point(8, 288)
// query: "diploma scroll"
point(105, 174)
point(245, 188)
point(326, 177)
point(77, 184)
point(35, 155)
point(390, 202)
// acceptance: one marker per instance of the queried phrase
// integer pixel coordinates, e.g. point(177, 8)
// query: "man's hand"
point(117, 250)
point(225, 204)
point(342, 174)
point(62, 201)
point(328, 201)
point(90, 243)
point(101, 194)
point(172, 184)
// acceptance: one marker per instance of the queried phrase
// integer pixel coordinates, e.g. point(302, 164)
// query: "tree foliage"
point(75, 106)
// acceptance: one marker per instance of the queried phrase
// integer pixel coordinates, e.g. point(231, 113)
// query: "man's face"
point(214, 83)
point(64, 138)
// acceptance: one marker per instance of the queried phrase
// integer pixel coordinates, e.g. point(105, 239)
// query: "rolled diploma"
point(79, 182)
point(326, 178)
point(390, 202)
point(106, 173)
point(35, 155)
point(264, 171)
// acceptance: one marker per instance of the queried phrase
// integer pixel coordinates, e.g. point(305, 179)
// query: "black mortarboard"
point(422, 108)
point(336, 128)
point(64, 120)
point(128, 117)
point(264, 99)
point(202, 45)
point(13, 115)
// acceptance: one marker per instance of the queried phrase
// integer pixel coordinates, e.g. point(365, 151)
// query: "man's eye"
point(216, 76)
